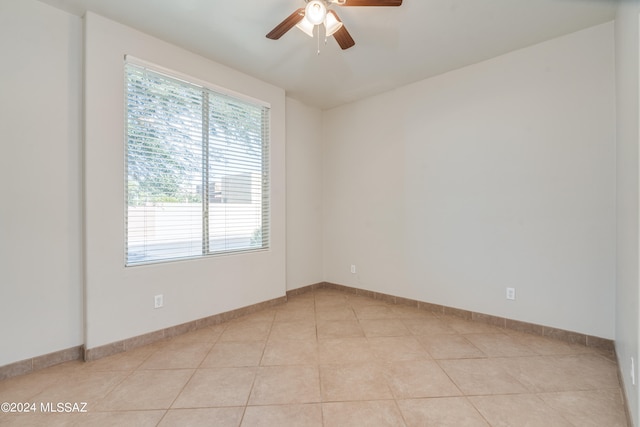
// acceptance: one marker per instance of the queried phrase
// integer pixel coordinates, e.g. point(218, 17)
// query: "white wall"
point(119, 300)
point(40, 171)
point(304, 195)
point(498, 174)
point(628, 179)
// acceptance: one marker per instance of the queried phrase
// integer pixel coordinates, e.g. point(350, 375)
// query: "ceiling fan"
point(317, 12)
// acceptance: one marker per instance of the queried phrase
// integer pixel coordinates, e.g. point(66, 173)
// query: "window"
point(197, 170)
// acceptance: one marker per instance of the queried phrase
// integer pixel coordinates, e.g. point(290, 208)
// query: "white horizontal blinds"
point(195, 169)
point(164, 167)
point(266, 176)
point(238, 174)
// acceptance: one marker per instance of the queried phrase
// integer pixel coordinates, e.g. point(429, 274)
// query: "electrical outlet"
point(511, 293)
point(158, 301)
point(353, 269)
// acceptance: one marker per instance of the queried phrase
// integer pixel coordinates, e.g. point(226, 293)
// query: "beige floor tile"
point(462, 326)
point(25, 387)
point(396, 349)
point(291, 352)
point(384, 328)
point(85, 386)
point(499, 345)
point(303, 415)
point(450, 346)
point(380, 413)
point(329, 329)
point(304, 298)
point(547, 346)
point(246, 331)
point(374, 312)
point(217, 387)
point(38, 420)
point(589, 408)
point(325, 302)
point(331, 305)
point(146, 389)
point(345, 350)
point(340, 313)
point(266, 315)
point(419, 378)
point(291, 313)
point(518, 410)
point(441, 412)
point(285, 385)
point(307, 300)
point(591, 371)
point(401, 311)
point(33, 420)
point(234, 354)
point(427, 326)
point(298, 330)
point(92, 419)
point(541, 373)
point(203, 417)
point(331, 295)
point(358, 301)
point(185, 355)
point(608, 354)
point(120, 419)
point(564, 373)
point(72, 366)
point(353, 382)
point(203, 335)
point(482, 376)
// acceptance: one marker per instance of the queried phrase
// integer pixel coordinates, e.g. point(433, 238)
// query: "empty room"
point(320, 212)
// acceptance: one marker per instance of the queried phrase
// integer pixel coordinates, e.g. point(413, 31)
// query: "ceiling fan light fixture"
point(315, 12)
point(306, 27)
point(331, 24)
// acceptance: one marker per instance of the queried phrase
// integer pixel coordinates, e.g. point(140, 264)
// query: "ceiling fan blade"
point(342, 36)
point(370, 3)
point(286, 25)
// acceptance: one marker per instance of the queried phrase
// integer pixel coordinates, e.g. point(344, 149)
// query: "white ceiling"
point(394, 45)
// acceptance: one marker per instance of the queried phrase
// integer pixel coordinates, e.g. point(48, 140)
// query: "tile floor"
point(328, 358)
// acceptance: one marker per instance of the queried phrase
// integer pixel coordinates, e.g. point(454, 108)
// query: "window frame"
point(207, 89)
